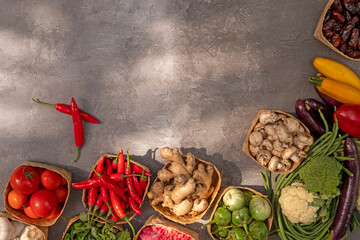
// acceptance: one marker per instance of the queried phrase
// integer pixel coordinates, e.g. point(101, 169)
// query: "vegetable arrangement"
point(77, 116)
point(83, 229)
point(240, 214)
point(38, 192)
point(115, 188)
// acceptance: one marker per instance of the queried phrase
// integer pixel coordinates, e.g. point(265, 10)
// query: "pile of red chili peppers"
point(77, 117)
point(115, 186)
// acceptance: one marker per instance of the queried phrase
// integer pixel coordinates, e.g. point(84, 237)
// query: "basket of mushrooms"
point(277, 141)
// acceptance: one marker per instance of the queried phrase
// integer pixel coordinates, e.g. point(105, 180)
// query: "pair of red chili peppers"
point(77, 117)
point(121, 188)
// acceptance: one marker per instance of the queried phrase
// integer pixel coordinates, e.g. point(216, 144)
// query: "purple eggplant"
point(315, 126)
point(349, 191)
point(315, 106)
point(328, 100)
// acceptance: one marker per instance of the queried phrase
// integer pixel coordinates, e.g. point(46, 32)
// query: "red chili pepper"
point(92, 195)
point(114, 216)
point(348, 116)
point(121, 168)
point(137, 169)
point(116, 160)
point(143, 181)
point(115, 202)
point(103, 190)
point(130, 184)
point(78, 127)
point(67, 110)
point(99, 202)
point(100, 165)
point(133, 206)
point(137, 186)
point(87, 184)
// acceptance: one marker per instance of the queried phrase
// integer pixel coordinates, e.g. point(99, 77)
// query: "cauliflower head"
point(295, 200)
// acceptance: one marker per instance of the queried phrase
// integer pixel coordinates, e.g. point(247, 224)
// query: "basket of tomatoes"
point(37, 193)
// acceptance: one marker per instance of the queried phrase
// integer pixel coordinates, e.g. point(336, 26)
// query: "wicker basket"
point(75, 218)
point(188, 219)
point(19, 214)
point(320, 36)
point(223, 190)
point(156, 220)
point(245, 147)
point(44, 230)
point(129, 213)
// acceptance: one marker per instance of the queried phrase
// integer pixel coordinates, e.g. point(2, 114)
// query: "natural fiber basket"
point(75, 218)
point(223, 190)
point(20, 214)
point(44, 230)
point(245, 147)
point(129, 213)
point(320, 36)
point(188, 219)
point(156, 220)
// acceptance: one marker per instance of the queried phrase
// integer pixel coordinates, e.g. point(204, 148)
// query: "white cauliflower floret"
point(294, 201)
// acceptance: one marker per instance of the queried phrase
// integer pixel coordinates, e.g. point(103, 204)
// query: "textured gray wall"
point(156, 73)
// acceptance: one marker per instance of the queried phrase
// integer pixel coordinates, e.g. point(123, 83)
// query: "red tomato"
point(50, 180)
point(16, 199)
point(43, 203)
point(63, 181)
point(29, 212)
point(56, 213)
point(61, 194)
point(25, 180)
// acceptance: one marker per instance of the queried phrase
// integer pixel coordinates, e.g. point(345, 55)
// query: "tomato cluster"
point(39, 192)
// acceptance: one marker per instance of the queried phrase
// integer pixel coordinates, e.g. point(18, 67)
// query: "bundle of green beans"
point(329, 144)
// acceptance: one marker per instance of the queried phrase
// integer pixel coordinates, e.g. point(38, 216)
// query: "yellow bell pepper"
point(336, 71)
point(339, 91)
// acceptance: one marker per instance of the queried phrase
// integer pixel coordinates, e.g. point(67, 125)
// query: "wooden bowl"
point(156, 220)
point(320, 36)
point(129, 213)
point(245, 147)
point(223, 190)
point(188, 219)
point(75, 218)
point(20, 214)
point(44, 230)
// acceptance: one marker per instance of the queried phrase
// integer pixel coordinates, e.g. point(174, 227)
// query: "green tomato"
point(260, 208)
point(241, 217)
point(240, 234)
point(222, 217)
point(248, 196)
point(234, 199)
point(219, 231)
point(258, 230)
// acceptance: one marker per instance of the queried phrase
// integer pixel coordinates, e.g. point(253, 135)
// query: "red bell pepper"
point(348, 116)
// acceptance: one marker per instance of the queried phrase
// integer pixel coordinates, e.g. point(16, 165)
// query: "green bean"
point(324, 120)
point(320, 144)
point(335, 146)
point(335, 131)
point(344, 158)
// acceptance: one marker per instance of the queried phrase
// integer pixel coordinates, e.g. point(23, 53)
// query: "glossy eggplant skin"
point(314, 125)
point(349, 191)
point(314, 106)
point(328, 100)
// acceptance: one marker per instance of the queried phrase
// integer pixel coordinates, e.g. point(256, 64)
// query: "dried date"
point(329, 25)
point(354, 20)
point(354, 38)
point(338, 16)
point(347, 16)
point(353, 54)
point(346, 31)
point(342, 46)
point(335, 40)
point(337, 6)
point(350, 6)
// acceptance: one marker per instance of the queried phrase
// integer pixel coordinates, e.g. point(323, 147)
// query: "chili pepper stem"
point(131, 226)
point(98, 217)
point(130, 175)
point(77, 154)
point(42, 103)
point(107, 203)
point(93, 214)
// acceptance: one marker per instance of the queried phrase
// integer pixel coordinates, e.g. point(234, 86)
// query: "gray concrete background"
point(156, 73)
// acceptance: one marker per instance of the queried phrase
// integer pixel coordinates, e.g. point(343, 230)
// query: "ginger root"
point(184, 186)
